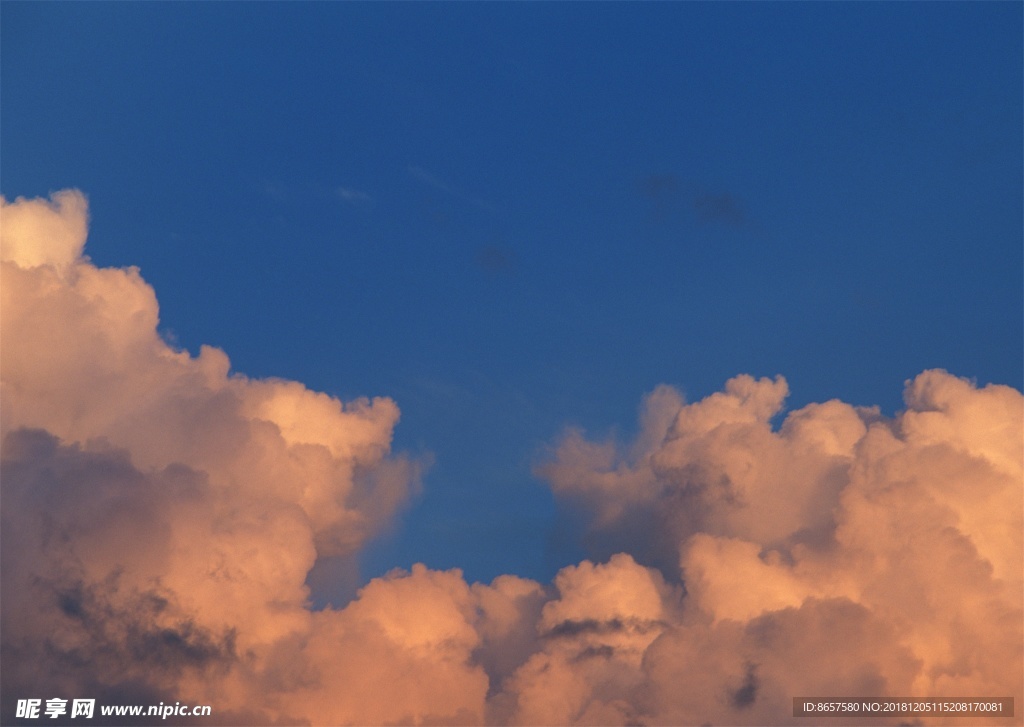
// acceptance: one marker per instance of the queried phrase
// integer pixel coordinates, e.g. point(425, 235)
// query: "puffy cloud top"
point(39, 232)
point(161, 515)
point(894, 545)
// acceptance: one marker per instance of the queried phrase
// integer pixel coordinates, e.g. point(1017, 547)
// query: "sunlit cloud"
point(161, 516)
point(842, 553)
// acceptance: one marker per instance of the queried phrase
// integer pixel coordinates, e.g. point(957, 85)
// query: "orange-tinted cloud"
point(841, 554)
point(161, 516)
point(170, 479)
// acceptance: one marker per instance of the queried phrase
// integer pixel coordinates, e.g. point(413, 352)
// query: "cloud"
point(177, 480)
point(721, 207)
point(495, 259)
point(666, 193)
point(842, 553)
point(40, 232)
point(161, 517)
point(88, 558)
point(432, 180)
point(353, 196)
point(595, 632)
point(658, 187)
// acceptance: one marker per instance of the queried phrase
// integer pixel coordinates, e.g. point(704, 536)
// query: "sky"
point(546, 353)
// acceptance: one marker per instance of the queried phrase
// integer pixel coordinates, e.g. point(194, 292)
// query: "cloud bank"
point(161, 515)
point(844, 553)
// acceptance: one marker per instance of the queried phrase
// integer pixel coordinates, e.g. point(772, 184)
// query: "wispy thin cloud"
point(353, 196)
point(427, 178)
point(432, 180)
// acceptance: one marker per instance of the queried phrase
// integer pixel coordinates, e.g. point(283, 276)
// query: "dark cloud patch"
point(585, 626)
point(659, 187)
point(65, 490)
point(108, 652)
point(746, 694)
point(669, 196)
point(595, 652)
point(579, 627)
point(142, 629)
point(75, 521)
point(649, 529)
point(495, 259)
point(719, 208)
point(97, 641)
point(181, 645)
point(662, 192)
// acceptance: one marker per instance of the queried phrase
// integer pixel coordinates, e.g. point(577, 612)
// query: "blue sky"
point(513, 218)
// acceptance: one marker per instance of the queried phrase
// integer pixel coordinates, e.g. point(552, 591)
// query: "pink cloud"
point(161, 516)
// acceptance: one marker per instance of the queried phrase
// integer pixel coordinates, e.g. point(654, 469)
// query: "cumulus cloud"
point(45, 232)
point(133, 470)
point(594, 634)
point(841, 554)
point(161, 517)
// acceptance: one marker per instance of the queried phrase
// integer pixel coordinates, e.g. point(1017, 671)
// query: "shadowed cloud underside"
point(161, 515)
